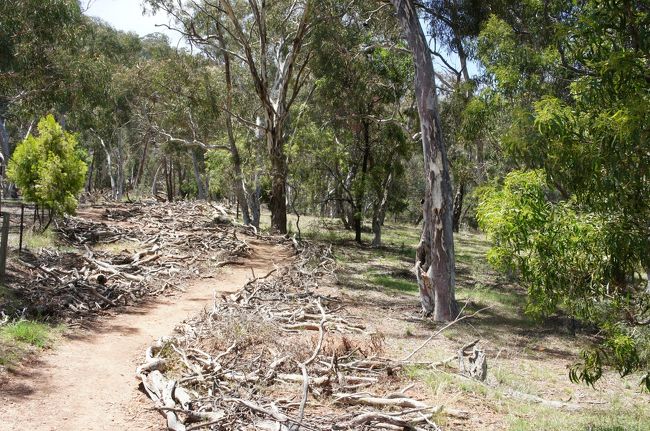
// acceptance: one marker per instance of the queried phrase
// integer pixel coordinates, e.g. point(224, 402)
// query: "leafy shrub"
point(49, 168)
point(572, 260)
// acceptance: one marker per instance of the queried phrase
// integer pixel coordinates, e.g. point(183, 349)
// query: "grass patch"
point(392, 283)
point(506, 298)
point(20, 338)
point(34, 240)
point(529, 417)
point(28, 332)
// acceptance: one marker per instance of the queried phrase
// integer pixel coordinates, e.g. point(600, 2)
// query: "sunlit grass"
point(533, 417)
point(33, 240)
point(28, 332)
point(20, 338)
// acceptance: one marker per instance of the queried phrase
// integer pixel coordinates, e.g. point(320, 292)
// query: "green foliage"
point(570, 260)
point(576, 79)
point(49, 168)
point(219, 166)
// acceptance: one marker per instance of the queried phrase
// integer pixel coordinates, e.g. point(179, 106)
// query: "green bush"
point(49, 168)
point(571, 260)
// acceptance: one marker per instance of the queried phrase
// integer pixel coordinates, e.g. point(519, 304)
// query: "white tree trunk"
point(435, 266)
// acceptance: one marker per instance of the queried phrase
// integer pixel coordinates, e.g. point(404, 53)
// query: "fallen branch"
point(438, 332)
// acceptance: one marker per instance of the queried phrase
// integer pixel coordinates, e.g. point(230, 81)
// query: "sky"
point(126, 15)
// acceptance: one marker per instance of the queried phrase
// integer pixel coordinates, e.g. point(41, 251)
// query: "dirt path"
point(88, 382)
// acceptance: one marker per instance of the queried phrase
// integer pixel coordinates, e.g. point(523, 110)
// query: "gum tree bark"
point(435, 266)
point(4, 135)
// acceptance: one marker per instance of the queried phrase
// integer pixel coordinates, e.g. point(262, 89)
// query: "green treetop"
point(49, 168)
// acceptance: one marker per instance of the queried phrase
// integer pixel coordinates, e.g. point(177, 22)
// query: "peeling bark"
point(435, 254)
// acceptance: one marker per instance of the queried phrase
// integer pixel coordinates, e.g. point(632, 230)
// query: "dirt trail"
point(88, 381)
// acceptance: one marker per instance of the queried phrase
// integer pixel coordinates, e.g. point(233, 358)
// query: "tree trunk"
point(458, 206)
point(140, 171)
point(169, 180)
point(154, 184)
point(435, 254)
point(379, 212)
point(357, 226)
point(172, 177)
point(344, 213)
point(278, 204)
point(4, 135)
point(181, 180)
point(91, 169)
point(109, 167)
point(254, 202)
point(460, 49)
point(358, 214)
point(120, 167)
point(339, 208)
point(197, 176)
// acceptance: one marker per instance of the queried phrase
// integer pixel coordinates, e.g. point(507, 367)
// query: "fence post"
point(22, 228)
point(3, 245)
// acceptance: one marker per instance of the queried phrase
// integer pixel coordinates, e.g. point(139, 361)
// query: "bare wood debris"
point(277, 355)
point(154, 248)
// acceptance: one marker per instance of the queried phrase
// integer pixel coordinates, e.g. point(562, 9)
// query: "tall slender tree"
point(435, 267)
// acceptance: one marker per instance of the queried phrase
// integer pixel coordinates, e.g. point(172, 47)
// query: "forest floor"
point(85, 379)
point(527, 388)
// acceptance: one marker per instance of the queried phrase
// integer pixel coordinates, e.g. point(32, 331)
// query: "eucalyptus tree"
point(269, 38)
point(359, 101)
point(576, 76)
point(173, 108)
point(454, 27)
point(435, 266)
point(33, 34)
point(100, 98)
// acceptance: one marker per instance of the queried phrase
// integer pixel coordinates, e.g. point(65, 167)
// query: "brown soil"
point(87, 382)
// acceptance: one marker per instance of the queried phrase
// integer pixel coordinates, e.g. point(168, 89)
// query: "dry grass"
point(524, 356)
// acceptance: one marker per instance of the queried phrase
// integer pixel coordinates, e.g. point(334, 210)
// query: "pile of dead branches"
point(279, 355)
point(78, 231)
point(155, 251)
